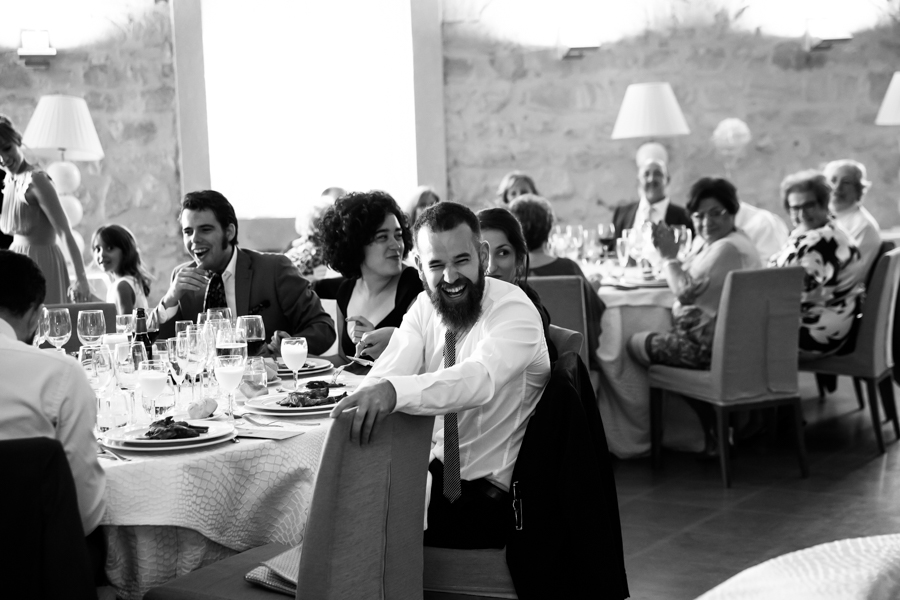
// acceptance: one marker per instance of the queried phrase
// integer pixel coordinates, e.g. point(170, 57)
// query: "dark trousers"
point(475, 520)
point(96, 545)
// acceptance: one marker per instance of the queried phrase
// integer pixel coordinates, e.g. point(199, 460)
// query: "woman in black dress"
point(365, 237)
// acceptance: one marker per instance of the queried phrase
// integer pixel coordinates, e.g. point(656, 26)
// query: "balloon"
point(65, 175)
point(73, 209)
point(731, 136)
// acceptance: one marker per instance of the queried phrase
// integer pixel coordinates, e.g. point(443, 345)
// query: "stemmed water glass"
point(153, 375)
point(294, 352)
point(229, 372)
point(221, 312)
point(190, 352)
point(125, 324)
point(59, 327)
point(175, 368)
point(99, 367)
point(91, 327)
point(683, 237)
point(128, 356)
point(40, 333)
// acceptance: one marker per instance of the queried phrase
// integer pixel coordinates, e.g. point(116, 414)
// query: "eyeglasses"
point(716, 213)
point(806, 206)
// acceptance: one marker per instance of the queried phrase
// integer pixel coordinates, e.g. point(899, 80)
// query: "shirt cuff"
point(408, 392)
point(165, 314)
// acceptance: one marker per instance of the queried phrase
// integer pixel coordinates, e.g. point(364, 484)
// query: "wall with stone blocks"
point(128, 82)
point(513, 107)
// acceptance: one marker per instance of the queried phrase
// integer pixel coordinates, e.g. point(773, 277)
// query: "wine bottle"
point(140, 331)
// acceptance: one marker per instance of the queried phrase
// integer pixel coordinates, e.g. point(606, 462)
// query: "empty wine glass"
point(40, 332)
point(229, 372)
point(91, 327)
point(294, 352)
point(622, 251)
point(175, 368)
point(222, 312)
point(59, 327)
point(182, 326)
point(684, 239)
point(99, 367)
point(153, 375)
point(125, 324)
point(128, 356)
point(190, 351)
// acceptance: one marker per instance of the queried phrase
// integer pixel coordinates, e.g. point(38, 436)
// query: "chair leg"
point(722, 433)
point(887, 401)
point(800, 438)
point(656, 429)
point(859, 396)
point(872, 393)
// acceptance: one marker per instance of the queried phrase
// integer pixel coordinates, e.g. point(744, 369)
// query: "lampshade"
point(889, 113)
point(62, 124)
point(649, 110)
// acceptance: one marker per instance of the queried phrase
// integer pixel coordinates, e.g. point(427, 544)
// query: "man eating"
point(471, 349)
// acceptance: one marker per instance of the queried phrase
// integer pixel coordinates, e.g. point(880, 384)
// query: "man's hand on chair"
point(372, 403)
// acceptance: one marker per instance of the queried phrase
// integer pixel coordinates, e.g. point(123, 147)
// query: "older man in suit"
point(222, 274)
point(654, 204)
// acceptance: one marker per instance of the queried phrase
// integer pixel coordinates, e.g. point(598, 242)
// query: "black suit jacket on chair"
point(623, 217)
point(268, 285)
point(570, 543)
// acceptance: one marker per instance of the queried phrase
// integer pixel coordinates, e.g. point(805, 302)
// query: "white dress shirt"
point(44, 393)
point(655, 213)
point(863, 229)
point(502, 367)
point(767, 232)
point(227, 281)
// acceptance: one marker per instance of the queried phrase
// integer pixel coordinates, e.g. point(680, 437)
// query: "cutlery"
point(116, 454)
point(364, 362)
point(337, 373)
point(261, 423)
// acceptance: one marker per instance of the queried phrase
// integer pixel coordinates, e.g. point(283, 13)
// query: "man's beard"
point(459, 316)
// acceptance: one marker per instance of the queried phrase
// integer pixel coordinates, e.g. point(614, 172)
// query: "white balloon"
point(73, 209)
point(65, 175)
point(731, 136)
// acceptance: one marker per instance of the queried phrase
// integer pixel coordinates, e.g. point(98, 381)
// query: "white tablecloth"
point(855, 569)
point(170, 513)
point(623, 394)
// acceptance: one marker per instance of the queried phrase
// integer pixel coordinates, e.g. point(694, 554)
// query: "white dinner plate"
point(639, 282)
point(133, 435)
point(270, 403)
point(316, 365)
point(323, 411)
point(197, 442)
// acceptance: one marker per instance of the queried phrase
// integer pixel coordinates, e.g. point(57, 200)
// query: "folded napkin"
point(252, 390)
point(279, 573)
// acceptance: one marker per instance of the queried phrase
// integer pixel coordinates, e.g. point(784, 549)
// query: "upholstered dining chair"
point(563, 297)
point(566, 340)
point(754, 359)
point(364, 535)
point(872, 358)
point(109, 317)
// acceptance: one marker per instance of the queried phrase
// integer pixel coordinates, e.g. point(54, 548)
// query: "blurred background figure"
point(116, 252)
point(513, 185)
point(766, 230)
point(302, 251)
point(849, 185)
point(422, 198)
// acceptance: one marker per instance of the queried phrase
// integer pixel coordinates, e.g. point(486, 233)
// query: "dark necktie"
point(452, 485)
point(215, 293)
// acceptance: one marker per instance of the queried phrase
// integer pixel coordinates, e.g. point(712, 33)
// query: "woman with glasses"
point(835, 273)
point(698, 281)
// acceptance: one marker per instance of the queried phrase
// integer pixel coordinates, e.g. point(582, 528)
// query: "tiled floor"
point(684, 533)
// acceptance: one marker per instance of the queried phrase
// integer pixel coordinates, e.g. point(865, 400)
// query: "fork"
point(337, 373)
point(116, 454)
point(260, 423)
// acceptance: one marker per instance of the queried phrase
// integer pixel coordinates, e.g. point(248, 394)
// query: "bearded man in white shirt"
point(848, 187)
point(47, 394)
point(470, 348)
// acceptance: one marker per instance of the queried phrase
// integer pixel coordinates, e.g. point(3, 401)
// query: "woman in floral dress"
point(833, 285)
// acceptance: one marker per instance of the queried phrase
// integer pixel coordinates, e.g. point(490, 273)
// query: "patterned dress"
point(832, 287)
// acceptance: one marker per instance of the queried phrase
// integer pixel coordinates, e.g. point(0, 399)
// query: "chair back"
point(566, 340)
point(563, 297)
point(877, 322)
point(754, 349)
point(365, 530)
point(109, 316)
point(44, 553)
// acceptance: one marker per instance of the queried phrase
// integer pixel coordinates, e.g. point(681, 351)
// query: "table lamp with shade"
point(61, 128)
point(649, 110)
point(889, 113)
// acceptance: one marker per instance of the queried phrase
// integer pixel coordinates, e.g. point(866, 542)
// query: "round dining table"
point(623, 392)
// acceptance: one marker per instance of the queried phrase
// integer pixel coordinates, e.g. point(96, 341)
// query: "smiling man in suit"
point(654, 204)
point(247, 282)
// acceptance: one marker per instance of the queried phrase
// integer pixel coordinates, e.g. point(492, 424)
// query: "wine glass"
point(153, 375)
point(223, 313)
point(40, 332)
point(190, 349)
point(128, 356)
point(175, 368)
point(606, 233)
point(229, 372)
point(99, 367)
point(161, 352)
point(125, 324)
point(622, 251)
point(182, 326)
point(254, 331)
point(152, 325)
point(684, 238)
point(294, 351)
point(230, 342)
point(59, 327)
point(91, 327)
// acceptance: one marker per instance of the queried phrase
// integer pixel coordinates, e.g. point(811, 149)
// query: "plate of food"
point(168, 433)
point(313, 397)
point(310, 367)
point(639, 281)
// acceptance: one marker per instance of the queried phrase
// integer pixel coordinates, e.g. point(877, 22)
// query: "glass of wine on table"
point(153, 376)
point(253, 330)
point(229, 372)
point(294, 352)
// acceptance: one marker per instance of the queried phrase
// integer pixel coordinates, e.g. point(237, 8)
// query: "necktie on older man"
point(215, 293)
point(452, 485)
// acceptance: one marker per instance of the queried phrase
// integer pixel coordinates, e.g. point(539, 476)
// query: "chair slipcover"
point(44, 551)
point(109, 317)
point(563, 297)
point(566, 340)
point(364, 534)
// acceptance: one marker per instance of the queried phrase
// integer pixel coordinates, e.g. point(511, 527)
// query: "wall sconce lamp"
point(36, 50)
point(649, 110)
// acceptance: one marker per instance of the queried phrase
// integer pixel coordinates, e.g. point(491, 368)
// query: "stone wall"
point(128, 82)
point(513, 107)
